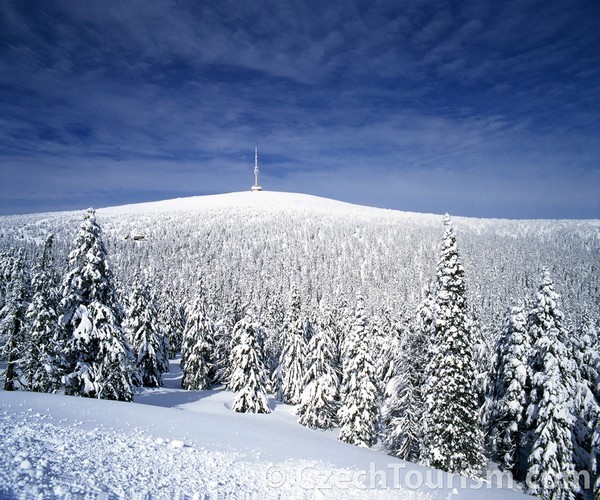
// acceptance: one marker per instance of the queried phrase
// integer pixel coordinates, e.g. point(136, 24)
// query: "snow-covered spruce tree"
point(196, 351)
point(359, 411)
point(4, 259)
point(584, 351)
point(275, 317)
point(385, 340)
point(592, 375)
point(452, 438)
point(327, 322)
point(97, 358)
point(235, 311)
point(483, 356)
point(146, 336)
point(595, 459)
point(172, 315)
point(309, 330)
point(402, 412)
point(551, 471)
point(343, 319)
point(248, 378)
point(6, 270)
point(293, 353)
point(319, 403)
point(12, 317)
point(41, 370)
point(509, 393)
point(222, 349)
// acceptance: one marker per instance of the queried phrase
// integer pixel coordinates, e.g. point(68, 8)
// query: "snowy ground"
point(172, 443)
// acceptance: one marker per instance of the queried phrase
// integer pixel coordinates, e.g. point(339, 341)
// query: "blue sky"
point(475, 107)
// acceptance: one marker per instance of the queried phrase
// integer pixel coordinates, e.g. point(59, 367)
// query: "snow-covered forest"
point(447, 342)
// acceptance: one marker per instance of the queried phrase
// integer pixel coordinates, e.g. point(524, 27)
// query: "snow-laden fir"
point(335, 308)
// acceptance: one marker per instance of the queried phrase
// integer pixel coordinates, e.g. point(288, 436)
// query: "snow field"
point(192, 446)
point(46, 457)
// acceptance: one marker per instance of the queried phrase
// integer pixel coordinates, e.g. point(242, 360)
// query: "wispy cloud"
point(376, 102)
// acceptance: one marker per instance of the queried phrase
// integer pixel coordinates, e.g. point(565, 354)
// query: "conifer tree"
point(483, 358)
point(319, 402)
point(584, 351)
point(248, 378)
point(402, 412)
point(293, 353)
point(343, 319)
point(452, 438)
point(97, 358)
point(595, 458)
point(592, 375)
point(12, 317)
point(275, 318)
point(359, 411)
point(146, 337)
point(225, 341)
point(385, 340)
point(272, 347)
point(40, 359)
point(510, 392)
point(222, 350)
point(172, 315)
point(196, 352)
point(401, 437)
point(551, 469)
point(5, 271)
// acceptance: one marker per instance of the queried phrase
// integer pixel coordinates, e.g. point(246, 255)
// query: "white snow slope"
point(270, 199)
point(172, 443)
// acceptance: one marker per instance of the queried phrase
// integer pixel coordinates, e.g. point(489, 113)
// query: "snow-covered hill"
point(246, 199)
point(172, 443)
point(325, 248)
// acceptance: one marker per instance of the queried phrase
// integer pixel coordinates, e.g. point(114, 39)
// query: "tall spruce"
point(319, 402)
point(197, 348)
point(551, 471)
point(595, 459)
point(145, 335)
point(12, 318)
point(225, 340)
point(402, 412)
point(97, 358)
point(172, 316)
point(274, 320)
point(344, 317)
point(293, 353)
point(510, 393)
point(385, 340)
point(453, 440)
point(358, 413)
point(592, 375)
point(584, 351)
point(41, 370)
point(248, 378)
point(483, 358)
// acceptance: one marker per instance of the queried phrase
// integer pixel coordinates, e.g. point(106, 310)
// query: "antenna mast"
point(256, 186)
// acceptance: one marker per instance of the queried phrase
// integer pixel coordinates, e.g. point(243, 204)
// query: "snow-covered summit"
point(264, 199)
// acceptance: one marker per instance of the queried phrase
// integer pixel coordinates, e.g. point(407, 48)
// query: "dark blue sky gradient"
point(479, 108)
